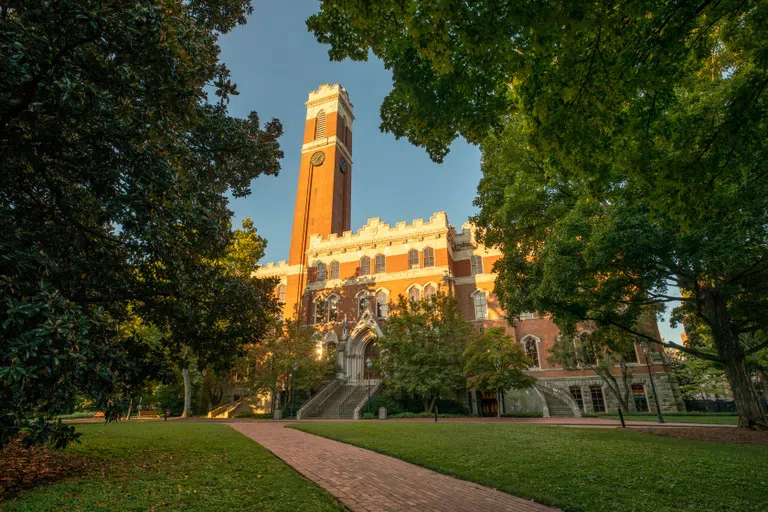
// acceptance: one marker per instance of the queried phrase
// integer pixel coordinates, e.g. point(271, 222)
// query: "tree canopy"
point(115, 169)
point(624, 149)
point(421, 352)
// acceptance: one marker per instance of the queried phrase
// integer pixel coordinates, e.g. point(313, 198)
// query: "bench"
point(149, 414)
point(99, 415)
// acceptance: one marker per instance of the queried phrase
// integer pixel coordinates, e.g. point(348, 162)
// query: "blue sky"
point(275, 63)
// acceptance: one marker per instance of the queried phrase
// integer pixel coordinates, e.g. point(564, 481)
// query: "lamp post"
point(368, 364)
point(647, 353)
point(293, 386)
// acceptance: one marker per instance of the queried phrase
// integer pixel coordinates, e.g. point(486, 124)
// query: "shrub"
point(76, 415)
point(369, 416)
point(427, 415)
point(533, 414)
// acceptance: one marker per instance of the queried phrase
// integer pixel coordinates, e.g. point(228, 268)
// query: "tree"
point(603, 351)
point(421, 351)
point(494, 361)
point(113, 190)
point(287, 360)
point(624, 150)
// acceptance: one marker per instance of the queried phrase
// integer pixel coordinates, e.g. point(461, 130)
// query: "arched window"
point(320, 311)
point(363, 303)
point(333, 308)
point(481, 305)
point(429, 291)
point(531, 347)
point(281, 288)
point(334, 270)
point(322, 273)
point(477, 265)
point(414, 293)
point(343, 129)
point(382, 309)
point(320, 125)
point(429, 257)
point(380, 264)
point(413, 258)
point(365, 266)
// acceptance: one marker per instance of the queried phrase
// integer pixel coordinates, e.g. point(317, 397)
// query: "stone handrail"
point(323, 395)
point(375, 389)
point(563, 395)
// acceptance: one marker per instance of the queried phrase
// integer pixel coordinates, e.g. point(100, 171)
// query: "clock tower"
point(323, 194)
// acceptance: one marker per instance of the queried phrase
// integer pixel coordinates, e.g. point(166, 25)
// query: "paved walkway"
point(367, 481)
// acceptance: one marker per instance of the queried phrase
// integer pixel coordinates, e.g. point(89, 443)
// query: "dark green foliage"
point(114, 170)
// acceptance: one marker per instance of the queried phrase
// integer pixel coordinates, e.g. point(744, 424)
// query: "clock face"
point(343, 166)
point(317, 158)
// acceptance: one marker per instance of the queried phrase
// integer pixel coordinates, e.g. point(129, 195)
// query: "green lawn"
point(576, 469)
point(711, 420)
point(177, 466)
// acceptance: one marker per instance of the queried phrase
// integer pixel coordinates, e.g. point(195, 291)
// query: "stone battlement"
point(376, 231)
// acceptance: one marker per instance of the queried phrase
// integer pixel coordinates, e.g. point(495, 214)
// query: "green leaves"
point(115, 175)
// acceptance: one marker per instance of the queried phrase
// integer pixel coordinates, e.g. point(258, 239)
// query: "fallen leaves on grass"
point(721, 434)
point(24, 468)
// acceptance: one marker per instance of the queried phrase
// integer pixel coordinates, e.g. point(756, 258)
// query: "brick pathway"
point(367, 481)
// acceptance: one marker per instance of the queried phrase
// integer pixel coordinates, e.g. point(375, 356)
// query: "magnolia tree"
point(624, 151)
point(116, 171)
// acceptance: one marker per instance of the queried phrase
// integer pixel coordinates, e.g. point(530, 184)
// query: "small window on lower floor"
point(641, 401)
point(598, 402)
point(576, 395)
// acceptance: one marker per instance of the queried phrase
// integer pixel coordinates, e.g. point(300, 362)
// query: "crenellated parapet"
point(376, 233)
point(279, 269)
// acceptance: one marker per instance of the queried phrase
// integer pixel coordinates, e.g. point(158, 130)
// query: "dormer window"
point(380, 264)
point(321, 272)
point(413, 259)
point(477, 265)
point(429, 257)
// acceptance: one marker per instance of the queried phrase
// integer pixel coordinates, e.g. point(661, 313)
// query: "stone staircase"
point(340, 403)
point(559, 402)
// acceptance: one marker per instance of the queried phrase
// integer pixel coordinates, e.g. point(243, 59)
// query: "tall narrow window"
point(481, 306)
point(631, 355)
point(343, 129)
point(532, 351)
point(365, 266)
point(380, 264)
point(477, 265)
point(641, 401)
point(429, 257)
point(429, 291)
point(598, 402)
point(576, 395)
point(320, 311)
point(382, 310)
point(281, 289)
point(333, 308)
point(363, 303)
point(413, 258)
point(414, 294)
point(320, 125)
point(334, 270)
point(322, 273)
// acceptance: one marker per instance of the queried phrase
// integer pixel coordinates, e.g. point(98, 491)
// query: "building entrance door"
point(488, 403)
point(371, 353)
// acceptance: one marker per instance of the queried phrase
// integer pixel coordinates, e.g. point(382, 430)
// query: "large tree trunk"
point(751, 413)
point(130, 406)
point(498, 403)
point(731, 352)
point(187, 391)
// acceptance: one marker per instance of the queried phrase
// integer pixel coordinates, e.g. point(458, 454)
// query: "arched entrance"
point(371, 354)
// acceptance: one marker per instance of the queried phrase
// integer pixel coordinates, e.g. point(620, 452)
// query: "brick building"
point(342, 282)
